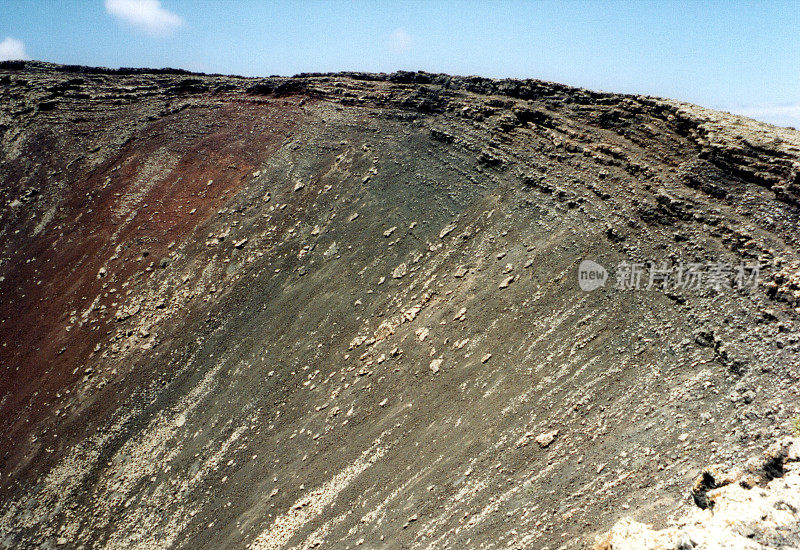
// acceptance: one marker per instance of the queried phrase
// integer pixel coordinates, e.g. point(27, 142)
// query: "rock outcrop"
point(757, 507)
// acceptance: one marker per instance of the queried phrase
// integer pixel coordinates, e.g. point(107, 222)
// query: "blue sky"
point(737, 56)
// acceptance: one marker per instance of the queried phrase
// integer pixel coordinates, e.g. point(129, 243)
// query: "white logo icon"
point(591, 275)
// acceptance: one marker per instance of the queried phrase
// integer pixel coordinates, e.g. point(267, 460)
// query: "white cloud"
point(146, 15)
point(399, 41)
point(779, 115)
point(11, 48)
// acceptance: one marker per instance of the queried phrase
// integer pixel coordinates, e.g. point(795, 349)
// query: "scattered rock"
point(507, 281)
point(545, 439)
point(524, 440)
point(332, 250)
point(447, 230)
point(400, 271)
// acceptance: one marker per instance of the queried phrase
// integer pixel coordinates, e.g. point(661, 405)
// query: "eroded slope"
point(340, 309)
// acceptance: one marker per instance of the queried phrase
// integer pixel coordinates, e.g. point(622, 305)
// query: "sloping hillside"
point(344, 309)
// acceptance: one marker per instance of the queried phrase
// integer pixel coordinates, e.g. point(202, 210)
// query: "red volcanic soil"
point(124, 204)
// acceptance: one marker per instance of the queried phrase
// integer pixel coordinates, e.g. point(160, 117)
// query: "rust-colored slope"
point(112, 225)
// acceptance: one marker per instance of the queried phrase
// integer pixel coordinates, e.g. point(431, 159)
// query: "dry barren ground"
point(343, 310)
